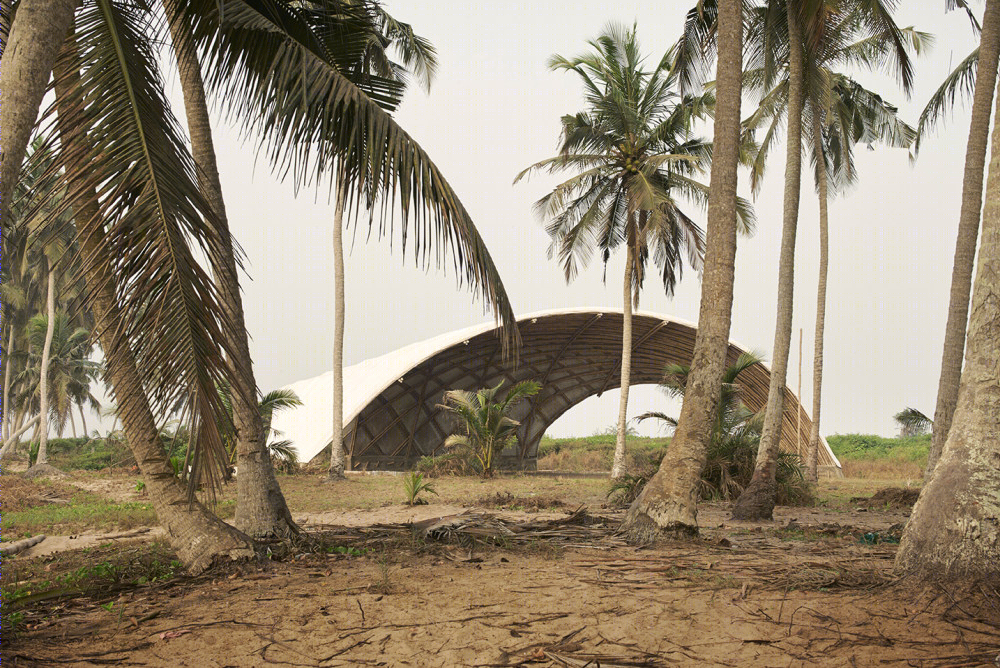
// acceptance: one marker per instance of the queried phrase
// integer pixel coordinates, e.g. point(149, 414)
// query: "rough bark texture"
point(668, 503)
point(337, 456)
point(968, 233)
point(6, 385)
point(757, 500)
point(812, 452)
point(35, 38)
point(43, 371)
point(261, 510)
point(199, 537)
point(954, 531)
point(618, 467)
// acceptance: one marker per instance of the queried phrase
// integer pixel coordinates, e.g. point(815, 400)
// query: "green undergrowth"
point(87, 511)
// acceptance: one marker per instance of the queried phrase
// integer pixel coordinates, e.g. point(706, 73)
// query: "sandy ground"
point(742, 595)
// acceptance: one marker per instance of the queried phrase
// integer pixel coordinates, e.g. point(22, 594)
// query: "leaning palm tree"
point(975, 77)
point(134, 191)
point(485, 418)
point(788, 41)
point(634, 150)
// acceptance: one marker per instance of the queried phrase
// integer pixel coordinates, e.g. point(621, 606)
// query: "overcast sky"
point(494, 109)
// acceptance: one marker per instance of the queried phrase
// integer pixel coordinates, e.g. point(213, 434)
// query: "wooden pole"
point(798, 413)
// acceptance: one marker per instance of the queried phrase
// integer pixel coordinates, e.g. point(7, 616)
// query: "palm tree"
point(976, 74)
point(486, 421)
point(735, 430)
point(634, 149)
point(134, 193)
point(669, 501)
point(912, 422)
point(812, 29)
point(839, 112)
point(952, 534)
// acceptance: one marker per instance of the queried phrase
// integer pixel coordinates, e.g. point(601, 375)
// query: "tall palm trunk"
point(198, 536)
point(968, 233)
point(954, 531)
point(83, 421)
point(757, 500)
point(7, 414)
point(812, 452)
point(261, 510)
point(669, 500)
point(628, 295)
point(30, 53)
point(337, 456)
point(72, 423)
point(43, 369)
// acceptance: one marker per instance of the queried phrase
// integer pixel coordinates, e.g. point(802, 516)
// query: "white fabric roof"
point(309, 426)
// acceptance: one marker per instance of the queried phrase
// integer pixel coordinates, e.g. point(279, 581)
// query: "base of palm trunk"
point(756, 503)
point(649, 519)
point(43, 471)
point(203, 540)
point(261, 509)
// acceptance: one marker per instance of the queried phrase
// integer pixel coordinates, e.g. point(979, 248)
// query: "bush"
point(453, 463)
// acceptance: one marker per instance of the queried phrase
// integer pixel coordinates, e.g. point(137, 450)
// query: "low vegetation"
point(876, 457)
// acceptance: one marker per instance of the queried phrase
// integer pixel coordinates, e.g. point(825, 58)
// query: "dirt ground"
point(815, 587)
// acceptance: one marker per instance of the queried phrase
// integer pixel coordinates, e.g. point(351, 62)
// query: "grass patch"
point(875, 457)
point(595, 453)
point(87, 511)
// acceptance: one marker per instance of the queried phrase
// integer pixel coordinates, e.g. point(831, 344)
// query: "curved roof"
point(390, 402)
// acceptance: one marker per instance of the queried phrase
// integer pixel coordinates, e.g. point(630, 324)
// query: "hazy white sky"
point(494, 109)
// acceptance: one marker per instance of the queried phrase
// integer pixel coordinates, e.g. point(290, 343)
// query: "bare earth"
point(818, 591)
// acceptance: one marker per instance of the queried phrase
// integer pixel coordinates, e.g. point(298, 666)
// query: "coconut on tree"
point(634, 152)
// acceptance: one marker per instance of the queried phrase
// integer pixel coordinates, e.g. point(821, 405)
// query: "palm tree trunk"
point(968, 233)
point(197, 535)
point(83, 421)
point(954, 530)
point(43, 369)
point(628, 294)
point(31, 50)
point(6, 385)
point(72, 424)
point(337, 455)
point(812, 452)
point(261, 510)
point(669, 500)
point(757, 500)
point(12, 440)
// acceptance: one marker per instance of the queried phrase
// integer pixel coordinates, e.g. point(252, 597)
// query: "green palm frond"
point(128, 149)
point(960, 83)
point(284, 81)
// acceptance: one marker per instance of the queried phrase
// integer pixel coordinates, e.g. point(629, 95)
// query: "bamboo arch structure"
point(573, 353)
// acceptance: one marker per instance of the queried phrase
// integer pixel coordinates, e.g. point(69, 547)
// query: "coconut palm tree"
point(162, 314)
point(839, 112)
point(634, 150)
point(952, 534)
point(485, 418)
point(912, 422)
point(975, 77)
point(669, 500)
point(789, 40)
